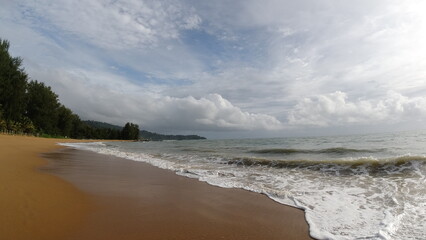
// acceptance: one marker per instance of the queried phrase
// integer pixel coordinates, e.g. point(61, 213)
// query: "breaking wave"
point(373, 188)
point(340, 166)
point(338, 150)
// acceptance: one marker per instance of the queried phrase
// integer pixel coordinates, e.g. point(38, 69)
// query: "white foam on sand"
point(352, 206)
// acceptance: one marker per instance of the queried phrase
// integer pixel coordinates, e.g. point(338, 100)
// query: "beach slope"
point(83, 195)
point(135, 200)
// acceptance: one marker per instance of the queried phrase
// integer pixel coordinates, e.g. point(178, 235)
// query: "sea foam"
point(349, 196)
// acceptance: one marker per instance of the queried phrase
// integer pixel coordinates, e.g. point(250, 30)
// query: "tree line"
point(160, 137)
point(146, 135)
point(30, 107)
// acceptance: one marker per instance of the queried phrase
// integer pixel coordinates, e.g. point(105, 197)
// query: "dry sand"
point(115, 198)
point(35, 205)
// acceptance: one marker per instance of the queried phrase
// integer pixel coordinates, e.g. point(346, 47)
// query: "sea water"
point(350, 187)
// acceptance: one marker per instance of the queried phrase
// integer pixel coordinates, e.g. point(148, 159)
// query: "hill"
point(143, 134)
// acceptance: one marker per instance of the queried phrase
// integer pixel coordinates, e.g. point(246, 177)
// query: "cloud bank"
point(184, 65)
point(99, 101)
point(335, 109)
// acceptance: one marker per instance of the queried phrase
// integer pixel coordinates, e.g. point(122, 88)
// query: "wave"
point(340, 166)
point(339, 150)
point(198, 150)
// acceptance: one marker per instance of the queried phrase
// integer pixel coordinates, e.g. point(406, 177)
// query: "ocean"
point(350, 187)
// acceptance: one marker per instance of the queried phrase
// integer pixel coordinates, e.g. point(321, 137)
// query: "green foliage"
point(2, 121)
point(78, 129)
point(3, 125)
point(43, 107)
point(101, 125)
point(27, 126)
point(13, 83)
point(103, 130)
point(45, 135)
point(32, 107)
point(159, 137)
point(130, 132)
point(13, 126)
point(65, 121)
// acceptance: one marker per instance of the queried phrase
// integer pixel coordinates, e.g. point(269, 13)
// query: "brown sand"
point(35, 205)
point(121, 199)
point(138, 201)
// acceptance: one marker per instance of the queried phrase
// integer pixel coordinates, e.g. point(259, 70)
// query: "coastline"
point(121, 199)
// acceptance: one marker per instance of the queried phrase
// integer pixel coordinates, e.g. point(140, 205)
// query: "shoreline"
point(123, 199)
point(158, 204)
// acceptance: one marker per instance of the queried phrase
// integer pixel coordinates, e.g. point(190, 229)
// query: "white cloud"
point(363, 62)
point(115, 100)
point(335, 109)
point(309, 47)
point(113, 25)
point(211, 112)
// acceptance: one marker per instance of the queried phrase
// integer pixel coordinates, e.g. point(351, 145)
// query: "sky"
point(229, 69)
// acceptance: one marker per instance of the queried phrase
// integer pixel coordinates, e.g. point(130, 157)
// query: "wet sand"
point(95, 196)
point(135, 200)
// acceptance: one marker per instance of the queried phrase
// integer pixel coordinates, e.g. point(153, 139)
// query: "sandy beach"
point(83, 195)
point(35, 205)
